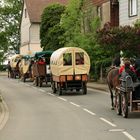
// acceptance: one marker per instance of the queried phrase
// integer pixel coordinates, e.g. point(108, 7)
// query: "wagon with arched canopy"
point(14, 63)
point(41, 71)
point(69, 68)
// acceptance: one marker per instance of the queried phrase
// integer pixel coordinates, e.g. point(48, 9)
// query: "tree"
point(71, 22)
point(114, 39)
point(50, 29)
point(10, 16)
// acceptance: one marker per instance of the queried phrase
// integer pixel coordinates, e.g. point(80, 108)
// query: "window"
point(99, 12)
point(132, 7)
point(79, 58)
point(67, 59)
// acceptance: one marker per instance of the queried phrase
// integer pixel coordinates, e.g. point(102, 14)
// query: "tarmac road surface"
point(36, 114)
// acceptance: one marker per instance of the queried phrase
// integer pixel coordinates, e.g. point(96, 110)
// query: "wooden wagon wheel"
point(118, 103)
point(84, 88)
point(24, 78)
point(40, 81)
point(36, 81)
point(53, 87)
point(59, 89)
point(124, 104)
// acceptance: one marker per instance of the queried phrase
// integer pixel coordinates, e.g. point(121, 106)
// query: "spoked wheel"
point(40, 81)
point(59, 89)
point(24, 78)
point(118, 104)
point(84, 89)
point(124, 105)
point(36, 81)
point(53, 87)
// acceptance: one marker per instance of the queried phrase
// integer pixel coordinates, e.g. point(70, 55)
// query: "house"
point(129, 11)
point(30, 24)
point(108, 11)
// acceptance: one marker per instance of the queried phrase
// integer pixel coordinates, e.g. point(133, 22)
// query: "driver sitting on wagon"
point(128, 68)
point(41, 61)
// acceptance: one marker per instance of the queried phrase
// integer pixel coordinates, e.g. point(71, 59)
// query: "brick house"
point(30, 24)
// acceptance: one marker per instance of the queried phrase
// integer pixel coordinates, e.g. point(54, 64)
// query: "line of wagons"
point(65, 69)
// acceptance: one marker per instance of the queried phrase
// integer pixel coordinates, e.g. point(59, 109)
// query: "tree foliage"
point(71, 22)
point(10, 16)
point(115, 39)
point(50, 29)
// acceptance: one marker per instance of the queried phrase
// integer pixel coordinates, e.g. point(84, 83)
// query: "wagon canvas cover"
point(57, 62)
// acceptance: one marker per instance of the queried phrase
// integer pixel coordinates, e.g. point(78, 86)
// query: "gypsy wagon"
point(69, 69)
point(41, 70)
point(25, 67)
point(14, 63)
point(127, 97)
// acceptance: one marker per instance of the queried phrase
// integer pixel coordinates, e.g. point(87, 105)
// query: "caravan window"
point(67, 59)
point(79, 58)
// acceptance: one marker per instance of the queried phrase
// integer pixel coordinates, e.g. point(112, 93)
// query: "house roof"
point(99, 2)
point(36, 7)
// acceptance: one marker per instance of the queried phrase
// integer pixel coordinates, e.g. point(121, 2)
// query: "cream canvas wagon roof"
point(57, 64)
point(13, 58)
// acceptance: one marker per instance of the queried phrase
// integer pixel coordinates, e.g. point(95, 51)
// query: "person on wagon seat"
point(41, 61)
point(128, 69)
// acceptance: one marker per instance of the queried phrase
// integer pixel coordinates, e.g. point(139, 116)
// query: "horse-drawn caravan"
point(25, 67)
point(69, 68)
point(127, 96)
point(125, 92)
point(14, 63)
point(41, 67)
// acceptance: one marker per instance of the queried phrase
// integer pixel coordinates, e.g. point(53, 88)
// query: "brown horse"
point(113, 82)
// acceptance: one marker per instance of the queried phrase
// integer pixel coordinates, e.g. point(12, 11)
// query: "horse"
point(113, 82)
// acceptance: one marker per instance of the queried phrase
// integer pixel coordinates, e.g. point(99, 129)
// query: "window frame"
point(67, 62)
point(131, 5)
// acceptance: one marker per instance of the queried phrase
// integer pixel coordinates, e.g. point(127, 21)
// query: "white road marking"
point(128, 135)
point(4, 116)
point(34, 87)
point(75, 104)
point(27, 85)
point(41, 90)
point(62, 99)
point(50, 94)
point(89, 111)
point(108, 122)
point(116, 130)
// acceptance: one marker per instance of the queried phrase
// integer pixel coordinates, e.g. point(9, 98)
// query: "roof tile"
point(36, 7)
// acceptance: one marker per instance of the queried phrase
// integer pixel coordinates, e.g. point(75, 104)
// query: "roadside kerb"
point(4, 114)
point(98, 86)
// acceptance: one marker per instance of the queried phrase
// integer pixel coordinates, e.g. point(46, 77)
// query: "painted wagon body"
point(14, 63)
point(69, 68)
point(41, 71)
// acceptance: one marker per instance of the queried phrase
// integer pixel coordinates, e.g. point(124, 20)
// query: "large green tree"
point(10, 16)
point(50, 29)
point(71, 22)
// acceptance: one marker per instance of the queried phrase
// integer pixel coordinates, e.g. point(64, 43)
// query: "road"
point(34, 113)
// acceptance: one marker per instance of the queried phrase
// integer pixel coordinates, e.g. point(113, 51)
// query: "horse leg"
point(111, 95)
point(112, 101)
